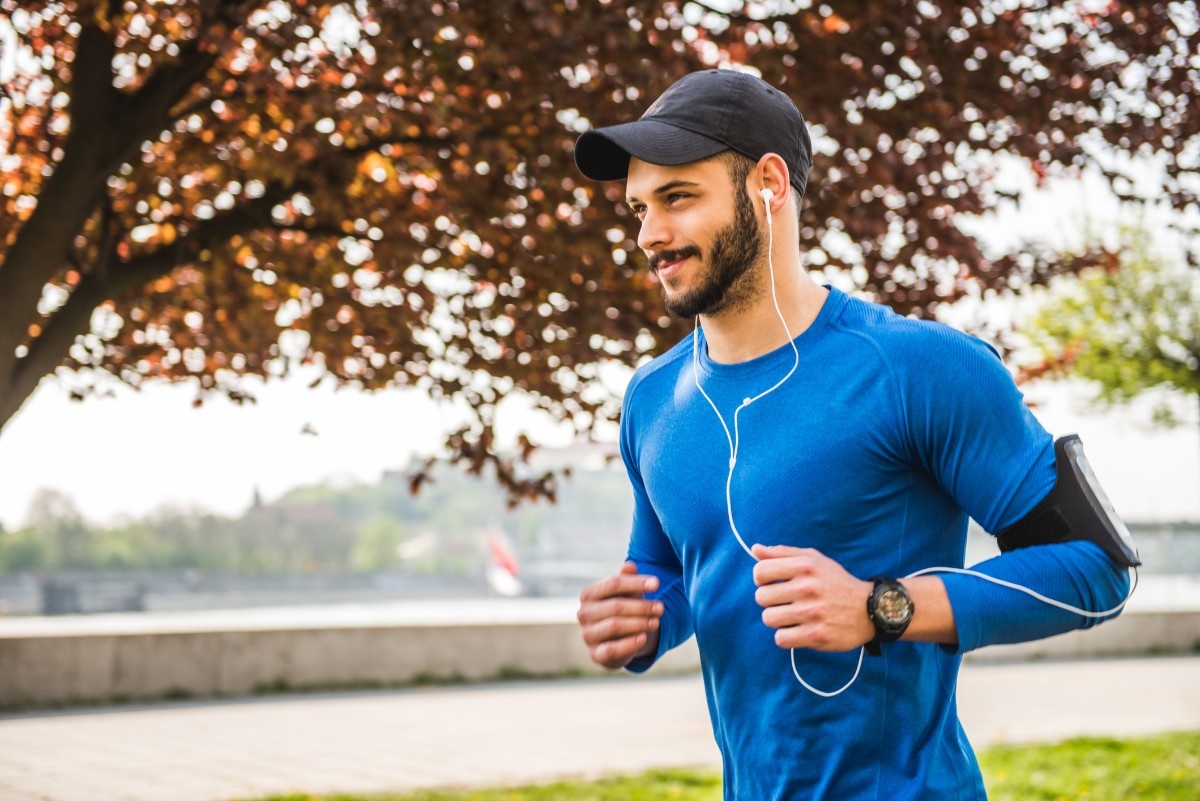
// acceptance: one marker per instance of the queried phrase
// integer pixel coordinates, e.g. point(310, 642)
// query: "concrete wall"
point(51, 670)
point(1133, 633)
point(76, 666)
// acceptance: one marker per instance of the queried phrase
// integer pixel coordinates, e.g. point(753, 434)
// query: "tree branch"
point(254, 215)
point(107, 128)
point(67, 199)
point(73, 319)
point(147, 112)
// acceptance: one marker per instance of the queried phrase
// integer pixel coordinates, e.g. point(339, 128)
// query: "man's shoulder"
point(897, 336)
point(666, 364)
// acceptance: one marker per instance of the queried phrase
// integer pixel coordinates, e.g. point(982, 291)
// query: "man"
point(797, 459)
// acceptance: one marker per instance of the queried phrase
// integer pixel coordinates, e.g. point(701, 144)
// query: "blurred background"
point(304, 303)
point(256, 512)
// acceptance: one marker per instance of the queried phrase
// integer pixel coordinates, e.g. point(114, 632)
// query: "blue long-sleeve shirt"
point(888, 436)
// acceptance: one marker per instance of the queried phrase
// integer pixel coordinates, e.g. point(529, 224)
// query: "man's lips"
point(666, 269)
point(667, 263)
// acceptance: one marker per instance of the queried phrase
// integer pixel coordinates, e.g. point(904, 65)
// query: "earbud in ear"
point(767, 195)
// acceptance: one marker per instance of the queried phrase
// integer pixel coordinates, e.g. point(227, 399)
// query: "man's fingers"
point(818, 637)
point(615, 617)
point(779, 617)
point(778, 593)
point(616, 628)
point(613, 641)
point(622, 584)
point(781, 568)
point(617, 653)
point(760, 551)
point(592, 611)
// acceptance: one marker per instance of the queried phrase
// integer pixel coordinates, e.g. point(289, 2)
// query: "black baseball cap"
point(700, 115)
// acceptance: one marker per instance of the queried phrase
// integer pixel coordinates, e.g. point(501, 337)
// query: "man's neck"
point(755, 330)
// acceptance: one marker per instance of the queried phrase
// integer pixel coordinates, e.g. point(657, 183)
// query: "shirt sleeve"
point(970, 428)
point(652, 552)
point(1079, 574)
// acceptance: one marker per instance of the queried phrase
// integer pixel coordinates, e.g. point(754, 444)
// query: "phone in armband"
point(1076, 509)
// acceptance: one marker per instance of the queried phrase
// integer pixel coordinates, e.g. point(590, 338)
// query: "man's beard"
point(729, 283)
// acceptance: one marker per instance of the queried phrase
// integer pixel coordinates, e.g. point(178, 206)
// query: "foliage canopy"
point(209, 191)
point(1129, 328)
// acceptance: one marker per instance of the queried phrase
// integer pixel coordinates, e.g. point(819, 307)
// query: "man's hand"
point(618, 623)
point(810, 600)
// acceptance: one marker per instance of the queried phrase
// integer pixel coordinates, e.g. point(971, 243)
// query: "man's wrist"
point(934, 617)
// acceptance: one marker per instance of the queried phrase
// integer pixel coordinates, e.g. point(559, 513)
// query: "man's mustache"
point(668, 256)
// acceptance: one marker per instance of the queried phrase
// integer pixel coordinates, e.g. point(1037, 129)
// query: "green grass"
point(1161, 768)
point(678, 785)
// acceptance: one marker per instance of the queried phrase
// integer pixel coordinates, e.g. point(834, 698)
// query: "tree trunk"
point(107, 129)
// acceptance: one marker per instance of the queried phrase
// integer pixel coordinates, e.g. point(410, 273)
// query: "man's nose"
point(654, 233)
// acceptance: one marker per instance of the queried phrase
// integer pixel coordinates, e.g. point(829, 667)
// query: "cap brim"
point(603, 154)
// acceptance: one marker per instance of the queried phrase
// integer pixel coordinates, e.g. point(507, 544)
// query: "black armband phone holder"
point(1076, 509)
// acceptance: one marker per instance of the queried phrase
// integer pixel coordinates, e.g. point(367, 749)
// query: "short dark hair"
point(739, 165)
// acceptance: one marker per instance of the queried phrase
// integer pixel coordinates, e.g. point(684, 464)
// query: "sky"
point(136, 452)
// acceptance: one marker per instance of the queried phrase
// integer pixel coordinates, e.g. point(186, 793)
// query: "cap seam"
point(735, 99)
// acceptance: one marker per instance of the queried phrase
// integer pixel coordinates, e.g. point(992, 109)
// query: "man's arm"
point(1078, 574)
point(813, 602)
point(651, 575)
point(966, 425)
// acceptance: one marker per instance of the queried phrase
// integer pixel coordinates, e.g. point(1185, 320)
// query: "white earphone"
point(733, 436)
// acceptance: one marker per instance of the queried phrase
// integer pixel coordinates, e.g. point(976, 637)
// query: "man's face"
point(700, 234)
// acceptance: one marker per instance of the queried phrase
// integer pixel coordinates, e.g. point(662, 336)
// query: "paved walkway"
point(509, 733)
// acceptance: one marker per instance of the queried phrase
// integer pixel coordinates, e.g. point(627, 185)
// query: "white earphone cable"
point(1033, 593)
point(734, 439)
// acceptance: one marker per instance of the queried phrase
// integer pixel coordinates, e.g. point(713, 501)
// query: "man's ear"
point(771, 175)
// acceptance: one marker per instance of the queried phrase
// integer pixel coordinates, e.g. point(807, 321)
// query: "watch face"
point(893, 607)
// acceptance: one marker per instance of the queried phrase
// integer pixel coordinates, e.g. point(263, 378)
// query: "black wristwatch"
point(890, 608)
